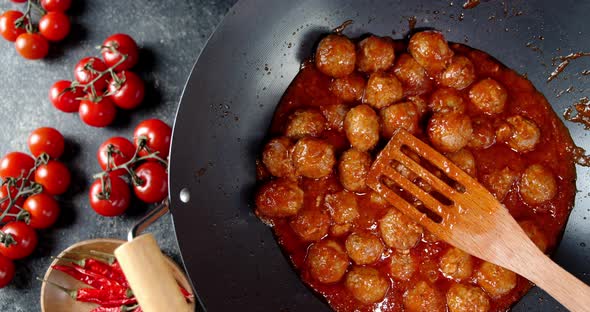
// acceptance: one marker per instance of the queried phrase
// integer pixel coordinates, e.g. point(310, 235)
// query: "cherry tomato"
point(124, 45)
point(4, 194)
point(119, 199)
point(54, 26)
point(56, 5)
point(43, 210)
point(8, 29)
point(31, 46)
point(66, 101)
point(97, 114)
point(85, 76)
point(6, 271)
point(16, 164)
point(46, 140)
point(54, 177)
point(25, 237)
point(125, 151)
point(158, 135)
point(130, 93)
point(154, 187)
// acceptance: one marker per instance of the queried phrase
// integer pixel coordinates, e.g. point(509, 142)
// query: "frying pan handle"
point(148, 219)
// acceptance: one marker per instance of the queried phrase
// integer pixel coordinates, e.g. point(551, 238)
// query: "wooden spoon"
point(467, 216)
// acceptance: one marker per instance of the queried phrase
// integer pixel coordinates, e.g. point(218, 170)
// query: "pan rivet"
point(185, 195)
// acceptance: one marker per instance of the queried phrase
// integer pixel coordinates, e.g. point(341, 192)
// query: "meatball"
point(349, 88)
point(342, 206)
point(460, 73)
point(456, 264)
point(363, 247)
point(488, 96)
point(403, 115)
point(401, 265)
point(361, 125)
point(464, 159)
point(313, 158)
point(445, 100)
point(376, 199)
point(500, 182)
point(353, 169)
point(335, 114)
point(431, 50)
point(537, 185)
point(366, 284)
point(304, 123)
point(521, 134)
point(398, 231)
point(327, 261)
point(335, 56)
point(483, 135)
point(374, 54)
point(423, 298)
point(276, 156)
point(420, 103)
point(495, 280)
point(413, 76)
point(382, 90)
point(535, 234)
point(311, 224)
point(279, 198)
point(466, 298)
point(449, 132)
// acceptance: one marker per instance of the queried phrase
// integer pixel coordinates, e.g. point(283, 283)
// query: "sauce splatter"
point(581, 114)
point(580, 156)
point(565, 61)
point(470, 4)
point(412, 23)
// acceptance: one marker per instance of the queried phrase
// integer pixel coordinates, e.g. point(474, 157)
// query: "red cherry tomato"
point(158, 135)
point(125, 151)
point(130, 93)
point(43, 210)
point(4, 194)
point(16, 164)
point(31, 46)
point(119, 199)
point(85, 76)
point(46, 140)
point(54, 177)
point(54, 26)
point(25, 237)
point(66, 101)
point(6, 271)
point(8, 29)
point(154, 186)
point(124, 45)
point(97, 114)
point(56, 5)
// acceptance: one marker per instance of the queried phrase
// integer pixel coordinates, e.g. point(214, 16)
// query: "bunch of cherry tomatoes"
point(27, 193)
point(32, 41)
point(142, 164)
point(102, 85)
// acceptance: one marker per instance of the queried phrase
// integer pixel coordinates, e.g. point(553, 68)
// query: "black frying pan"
point(231, 257)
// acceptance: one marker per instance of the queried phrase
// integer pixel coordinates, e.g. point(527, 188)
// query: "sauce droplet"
point(470, 4)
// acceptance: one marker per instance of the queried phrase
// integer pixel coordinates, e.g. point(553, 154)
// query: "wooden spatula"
point(470, 218)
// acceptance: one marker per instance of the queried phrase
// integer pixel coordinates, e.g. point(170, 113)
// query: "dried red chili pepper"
point(71, 271)
point(111, 297)
point(101, 268)
point(116, 309)
point(101, 280)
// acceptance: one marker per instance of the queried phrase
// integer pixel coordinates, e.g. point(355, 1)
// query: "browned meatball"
point(374, 54)
point(362, 127)
point(353, 169)
point(398, 231)
point(460, 73)
point(483, 135)
point(327, 261)
point(403, 115)
point(500, 182)
point(311, 224)
point(363, 247)
point(342, 206)
point(465, 298)
point(349, 88)
point(431, 50)
point(335, 56)
point(382, 90)
point(495, 280)
point(423, 298)
point(464, 159)
point(456, 264)
point(535, 234)
point(521, 134)
point(402, 265)
point(449, 132)
point(537, 185)
point(313, 158)
point(276, 156)
point(413, 76)
point(335, 114)
point(488, 96)
point(420, 103)
point(366, 284)
point(302, 123)
point(445, 100)
point(279, 198)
